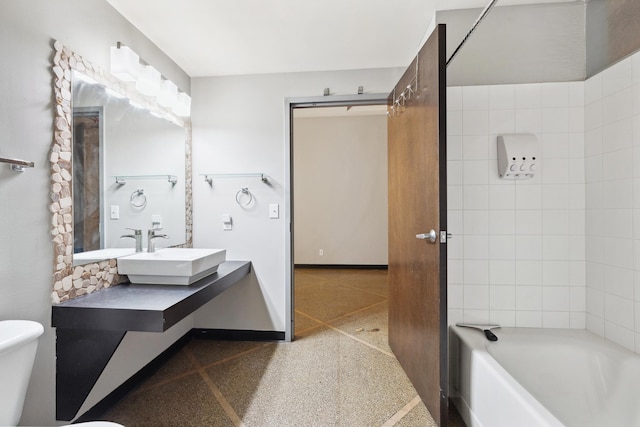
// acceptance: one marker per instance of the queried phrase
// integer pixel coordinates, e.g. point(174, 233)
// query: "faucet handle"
point(136, 231)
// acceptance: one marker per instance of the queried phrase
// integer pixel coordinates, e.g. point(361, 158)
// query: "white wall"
point(239, 126)
point(27, 31)
point(612, 124)
point(517, 253)
point(340, 190)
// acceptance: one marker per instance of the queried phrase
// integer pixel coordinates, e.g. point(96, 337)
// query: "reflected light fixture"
point(148, 81)
point(125, 63)
point(126, 66)
point(182, 107)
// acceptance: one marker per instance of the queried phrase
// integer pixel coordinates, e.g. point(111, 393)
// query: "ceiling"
point(216, 37)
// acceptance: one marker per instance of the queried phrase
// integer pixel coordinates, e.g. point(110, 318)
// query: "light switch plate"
point(274, 211)
point(115, 212)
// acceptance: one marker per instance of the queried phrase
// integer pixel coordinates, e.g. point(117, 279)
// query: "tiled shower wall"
point(612, 170)
point(517, 256)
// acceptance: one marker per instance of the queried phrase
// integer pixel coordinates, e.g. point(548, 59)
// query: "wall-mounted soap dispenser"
point(517, 156)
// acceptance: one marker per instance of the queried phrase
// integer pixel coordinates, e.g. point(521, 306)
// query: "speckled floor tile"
point(179, 364)
point(184, 402)
point(304, 278)
point(329, 273)
point(207, 352)
point(375, 281)
point(327, 301)
point(419, 416)
point(323, 378)
point(369, 325)
point(303, 323)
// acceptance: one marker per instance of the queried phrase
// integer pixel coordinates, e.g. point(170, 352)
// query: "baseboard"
point(95, 413)
point(345, 266)
point(236, 335)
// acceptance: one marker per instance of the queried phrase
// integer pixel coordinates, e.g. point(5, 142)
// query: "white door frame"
point(289, 105)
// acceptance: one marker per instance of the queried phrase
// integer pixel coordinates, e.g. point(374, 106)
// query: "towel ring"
point(239, 197)
point(138, 199)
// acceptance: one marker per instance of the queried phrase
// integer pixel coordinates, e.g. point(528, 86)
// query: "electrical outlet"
point(321, 252)
point(115, 212)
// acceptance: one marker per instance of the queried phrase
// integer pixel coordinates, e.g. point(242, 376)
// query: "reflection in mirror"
point(113, 137)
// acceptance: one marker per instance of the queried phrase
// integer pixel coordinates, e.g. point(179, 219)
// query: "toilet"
point(18, 345)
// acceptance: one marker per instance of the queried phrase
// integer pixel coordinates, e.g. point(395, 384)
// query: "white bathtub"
point(543, 377)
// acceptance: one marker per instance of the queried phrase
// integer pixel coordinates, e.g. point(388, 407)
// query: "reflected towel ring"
point(239, 197)
point(138, 199)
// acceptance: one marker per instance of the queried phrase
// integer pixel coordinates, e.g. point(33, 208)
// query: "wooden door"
point(417, 204)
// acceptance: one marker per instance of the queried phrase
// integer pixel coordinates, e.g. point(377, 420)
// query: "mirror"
point(128, 173)
point(139, 161)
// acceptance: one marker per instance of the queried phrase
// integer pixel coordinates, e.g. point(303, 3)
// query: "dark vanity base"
point(90, 328)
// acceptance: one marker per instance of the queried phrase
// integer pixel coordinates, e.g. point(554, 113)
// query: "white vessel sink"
point(171, 266)
point(100, 255)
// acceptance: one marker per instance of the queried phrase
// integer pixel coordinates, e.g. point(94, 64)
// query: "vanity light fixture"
point(168, 94)
point(182, 107)
point(148, 82)
point(125, 65)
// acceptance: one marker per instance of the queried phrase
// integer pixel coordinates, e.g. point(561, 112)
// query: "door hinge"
point(444, 236)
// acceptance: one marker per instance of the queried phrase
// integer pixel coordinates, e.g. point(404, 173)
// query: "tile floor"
point(339, 371)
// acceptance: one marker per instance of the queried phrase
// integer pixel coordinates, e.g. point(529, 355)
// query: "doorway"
point(294, 106)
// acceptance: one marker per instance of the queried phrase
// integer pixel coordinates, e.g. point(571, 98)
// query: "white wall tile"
point(502, 97)
point(528, 247)
point(617, 135)
point(595, 324)
point(577, 145)
point(578, 273)
point(593, 89)
point(577, 320)
point(476, 297)
point(556, 319)
point(556, 171)
point(476, 272)
point(454, 172)
point(578, 298)
point(576, 94)
point(454, 122)
point(528, 272)
point(455, 296)
point(528, 297)
point(528, 96)
point(476, 316)
point(529, 120)
point(619, 335)
point(504, 318)
point(502, 121)
point(619, 310)
point(617, 106)
point(618, 194)
point(619, 222)
point(618, 252)
point(577, 222)
point(595, 302)
point(476, 222)
point(475, 98)
point(576, 119)
point(475, 147)
point(635, 68)
point(475, 122)
point(454, 147)
point(555, 273)
point(555, 120)
point(475, 248)
point(555, 146)
point(455, 271)
point(502, 297)
point(577, 248)
point(501, 247)
point(617, 164)
point(555, 221)
point(593, 142)
point(635, 94)
point(454, 99)
point(555, 196)
point(529, 319)
point(528, 196)
point(502, 197)
point(502, 272)
point(593, 116)
point(502, 222)
point(619, 281)
point(528, 222)
point(476, 196)
point(617, 77)
point(556, 298)
point(475, 172)
point(555, 95)
point(454, 197)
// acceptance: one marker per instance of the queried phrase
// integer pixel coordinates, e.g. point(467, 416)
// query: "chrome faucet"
point(151, 246)
point(137, 234)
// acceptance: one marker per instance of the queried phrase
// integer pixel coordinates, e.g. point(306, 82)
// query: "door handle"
point(431, 236)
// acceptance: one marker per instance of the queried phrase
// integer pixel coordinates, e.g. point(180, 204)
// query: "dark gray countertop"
point(150, 308)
